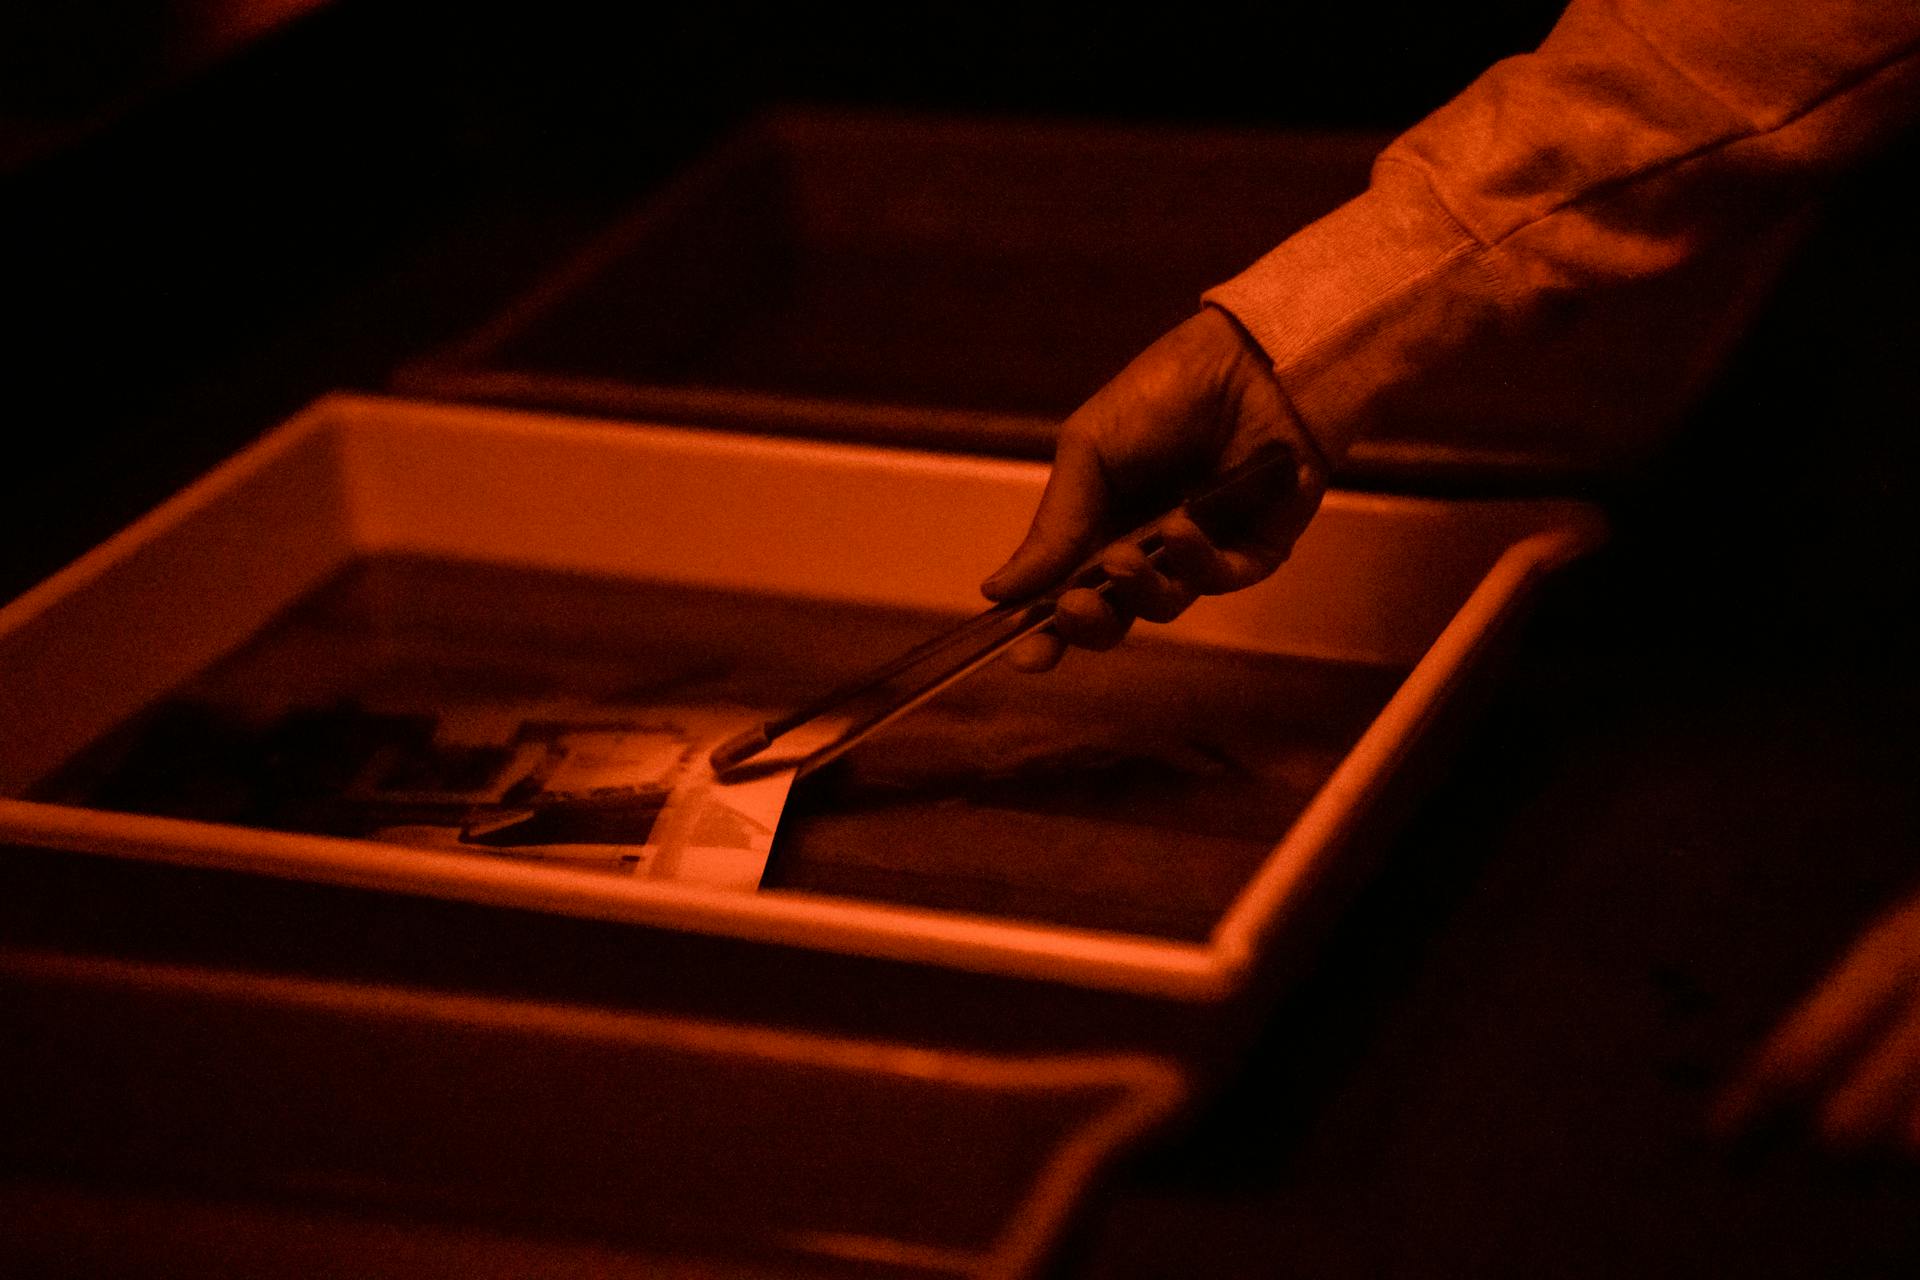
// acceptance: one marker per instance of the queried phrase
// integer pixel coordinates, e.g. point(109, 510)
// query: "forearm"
point(1565, 251)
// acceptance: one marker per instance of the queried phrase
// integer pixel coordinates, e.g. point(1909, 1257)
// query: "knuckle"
point(1085, 620)
point(1125, 560)
point(1191, 559)
point(1110, 636)
point(1079, 434)
point(1037, 654)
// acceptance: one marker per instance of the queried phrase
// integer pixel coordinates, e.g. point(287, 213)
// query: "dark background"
point(1696, 784)
point(199, 237)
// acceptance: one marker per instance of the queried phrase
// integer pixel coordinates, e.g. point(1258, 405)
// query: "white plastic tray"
point(1429, 586)
point(180, 1120)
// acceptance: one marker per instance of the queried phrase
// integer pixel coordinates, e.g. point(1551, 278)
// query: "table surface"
point(1695, 786)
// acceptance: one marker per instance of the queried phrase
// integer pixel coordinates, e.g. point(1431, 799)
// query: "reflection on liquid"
point(1136, 790)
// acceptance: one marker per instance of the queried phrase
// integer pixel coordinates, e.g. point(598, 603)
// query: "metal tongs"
point(1223, 510)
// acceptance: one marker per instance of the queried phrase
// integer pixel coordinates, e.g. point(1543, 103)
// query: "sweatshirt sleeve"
point(1560, 257)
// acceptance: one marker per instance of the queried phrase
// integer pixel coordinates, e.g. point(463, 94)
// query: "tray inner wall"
point(975, 266)
point(1135, 791)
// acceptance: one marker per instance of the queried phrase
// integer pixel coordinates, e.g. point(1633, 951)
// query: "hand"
point(1194, 403)
point(1851, 1050)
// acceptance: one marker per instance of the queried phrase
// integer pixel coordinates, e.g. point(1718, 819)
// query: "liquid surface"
point(1137, 790)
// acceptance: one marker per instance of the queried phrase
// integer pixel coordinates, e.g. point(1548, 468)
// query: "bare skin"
point(1850, 1053)
point(1200, 399)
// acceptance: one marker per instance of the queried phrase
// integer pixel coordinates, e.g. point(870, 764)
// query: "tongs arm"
point(1222, 511)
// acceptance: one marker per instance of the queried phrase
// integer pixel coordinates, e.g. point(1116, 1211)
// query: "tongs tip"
point(1222, 511)
point(739, 749)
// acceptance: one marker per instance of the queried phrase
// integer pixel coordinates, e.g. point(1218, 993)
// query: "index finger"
point(1860, 992)
point(1066, 526)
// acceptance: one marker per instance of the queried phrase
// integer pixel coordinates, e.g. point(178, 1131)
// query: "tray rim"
point(1147, 1091)
point(1211, 972)
point(471, 367)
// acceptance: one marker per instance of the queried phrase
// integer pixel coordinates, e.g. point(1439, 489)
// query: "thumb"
point(1066, 526)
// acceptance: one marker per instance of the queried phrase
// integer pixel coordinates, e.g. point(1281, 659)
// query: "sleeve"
point(1561, 255)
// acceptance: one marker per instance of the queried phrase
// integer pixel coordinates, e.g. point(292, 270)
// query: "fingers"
point(1091, 621)
point(1192, 403)
point(1806, 1046)
point(1037, 653)
point(1141, 589)
point(1857, 1035)
point(1202, 568)
point(1066, 525)
point(1081, 618)
point(1872, 1101)
point(1189, 565)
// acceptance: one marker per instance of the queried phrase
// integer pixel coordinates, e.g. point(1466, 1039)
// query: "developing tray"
point(181, 1120)
point(1123, 853)
point(926, 281)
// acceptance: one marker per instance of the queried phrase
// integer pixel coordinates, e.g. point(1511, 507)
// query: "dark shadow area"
point(1691, 793)
point(1695, 786)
